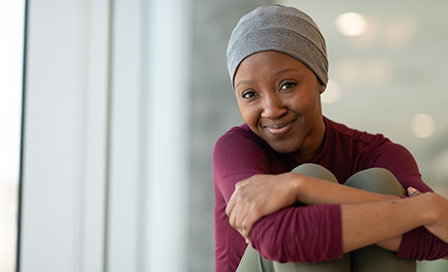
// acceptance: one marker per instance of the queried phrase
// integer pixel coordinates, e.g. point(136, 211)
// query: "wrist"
point(432, 210)
point(424, 208)
point(296, 181)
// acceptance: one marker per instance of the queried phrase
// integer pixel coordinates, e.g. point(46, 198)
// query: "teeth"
point(278, 129)
point(277, 126)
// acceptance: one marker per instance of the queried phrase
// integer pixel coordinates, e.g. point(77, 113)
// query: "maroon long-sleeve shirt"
point(308, 233)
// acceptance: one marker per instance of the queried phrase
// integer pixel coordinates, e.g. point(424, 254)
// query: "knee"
point(316, 171)
point(378, 180)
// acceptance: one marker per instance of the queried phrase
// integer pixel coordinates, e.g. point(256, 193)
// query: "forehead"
point(268, 63)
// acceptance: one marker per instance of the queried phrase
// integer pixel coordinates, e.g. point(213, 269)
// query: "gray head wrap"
point(278, 28)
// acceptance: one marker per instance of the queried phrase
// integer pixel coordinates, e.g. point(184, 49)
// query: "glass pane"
point(11, 65)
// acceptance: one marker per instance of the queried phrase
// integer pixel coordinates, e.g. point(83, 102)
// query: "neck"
point(313, 146)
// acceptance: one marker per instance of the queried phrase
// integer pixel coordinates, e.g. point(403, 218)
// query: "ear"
point(322, 89)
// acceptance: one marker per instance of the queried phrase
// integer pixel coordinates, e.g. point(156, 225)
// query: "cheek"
point(296, 103)
point(302, 103)
point(249, 114)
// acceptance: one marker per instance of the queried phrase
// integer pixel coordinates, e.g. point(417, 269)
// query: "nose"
point(273, 107)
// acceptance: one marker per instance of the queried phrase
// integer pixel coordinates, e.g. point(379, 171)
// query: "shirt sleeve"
point(419, 243)
point(294, 234)
point(236, 158)
point(397, 159)
point(300, 234)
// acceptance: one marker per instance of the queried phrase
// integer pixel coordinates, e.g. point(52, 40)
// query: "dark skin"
point(280, 101)
point(279, 98)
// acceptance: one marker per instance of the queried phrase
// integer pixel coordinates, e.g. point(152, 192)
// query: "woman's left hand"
point(413, 192)
point(259, 196)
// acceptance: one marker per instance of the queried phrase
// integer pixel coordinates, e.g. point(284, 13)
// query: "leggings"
point(368, 259)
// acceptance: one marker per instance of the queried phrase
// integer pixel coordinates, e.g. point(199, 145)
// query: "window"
point(12, 17)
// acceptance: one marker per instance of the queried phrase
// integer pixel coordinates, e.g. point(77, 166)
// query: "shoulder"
point(344, 132)
point(235, 143)
point(375, 150)
point(239, 149)
point(237, 133)
point(238, 138)
point(342, 135)
point(238, 154)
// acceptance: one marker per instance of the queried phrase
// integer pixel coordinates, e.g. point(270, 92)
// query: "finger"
point(232, 202)
point(247, 224)
point(233, 199)
point(239, 218)
point(242, 183)
point(234, 219)
point(234, 211)
point(246, 228)
point(243, 232)
point(231, 216)
point(230, 206)
point(413, 192)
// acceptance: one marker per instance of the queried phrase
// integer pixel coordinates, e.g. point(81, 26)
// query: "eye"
point(287, 85)
point(248, 94)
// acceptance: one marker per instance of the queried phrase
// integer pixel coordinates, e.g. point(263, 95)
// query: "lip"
point(279, 129)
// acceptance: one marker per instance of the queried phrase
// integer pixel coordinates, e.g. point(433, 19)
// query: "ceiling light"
point(423, 125)
point(351, 24)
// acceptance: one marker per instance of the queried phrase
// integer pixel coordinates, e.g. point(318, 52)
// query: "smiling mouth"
point(279, 129)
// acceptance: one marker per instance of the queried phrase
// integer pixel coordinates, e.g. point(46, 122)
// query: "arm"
point(388, 155)
point(262, 195)
point(238, 158)
point(286, 236)
point(360, 210)
point(392, 218)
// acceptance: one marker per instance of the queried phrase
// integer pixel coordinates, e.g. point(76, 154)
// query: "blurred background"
point(123, 101)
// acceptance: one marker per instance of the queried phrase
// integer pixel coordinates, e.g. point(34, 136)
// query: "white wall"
point(149, 121)
point(104, 172)
point(64, 164)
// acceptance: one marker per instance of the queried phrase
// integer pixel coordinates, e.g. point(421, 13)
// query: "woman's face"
point(279, 99)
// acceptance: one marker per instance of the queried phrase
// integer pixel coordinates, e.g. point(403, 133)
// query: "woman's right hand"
point(259, 196)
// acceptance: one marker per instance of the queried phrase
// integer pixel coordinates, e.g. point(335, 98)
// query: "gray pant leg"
point(336, 265)
point(252, 260)
point(374, 258)
point(315, 170)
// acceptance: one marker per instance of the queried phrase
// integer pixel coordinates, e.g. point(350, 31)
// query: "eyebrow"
point(276, 74)
point(244, 82)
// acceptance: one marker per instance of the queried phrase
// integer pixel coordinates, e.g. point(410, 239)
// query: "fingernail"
point(411, 190)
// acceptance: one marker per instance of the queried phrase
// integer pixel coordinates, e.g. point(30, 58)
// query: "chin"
point(284, 149)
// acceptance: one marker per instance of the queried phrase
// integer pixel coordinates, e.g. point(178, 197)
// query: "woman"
point(310, 194)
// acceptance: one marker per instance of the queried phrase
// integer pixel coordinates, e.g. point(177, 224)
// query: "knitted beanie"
point(282, 29)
